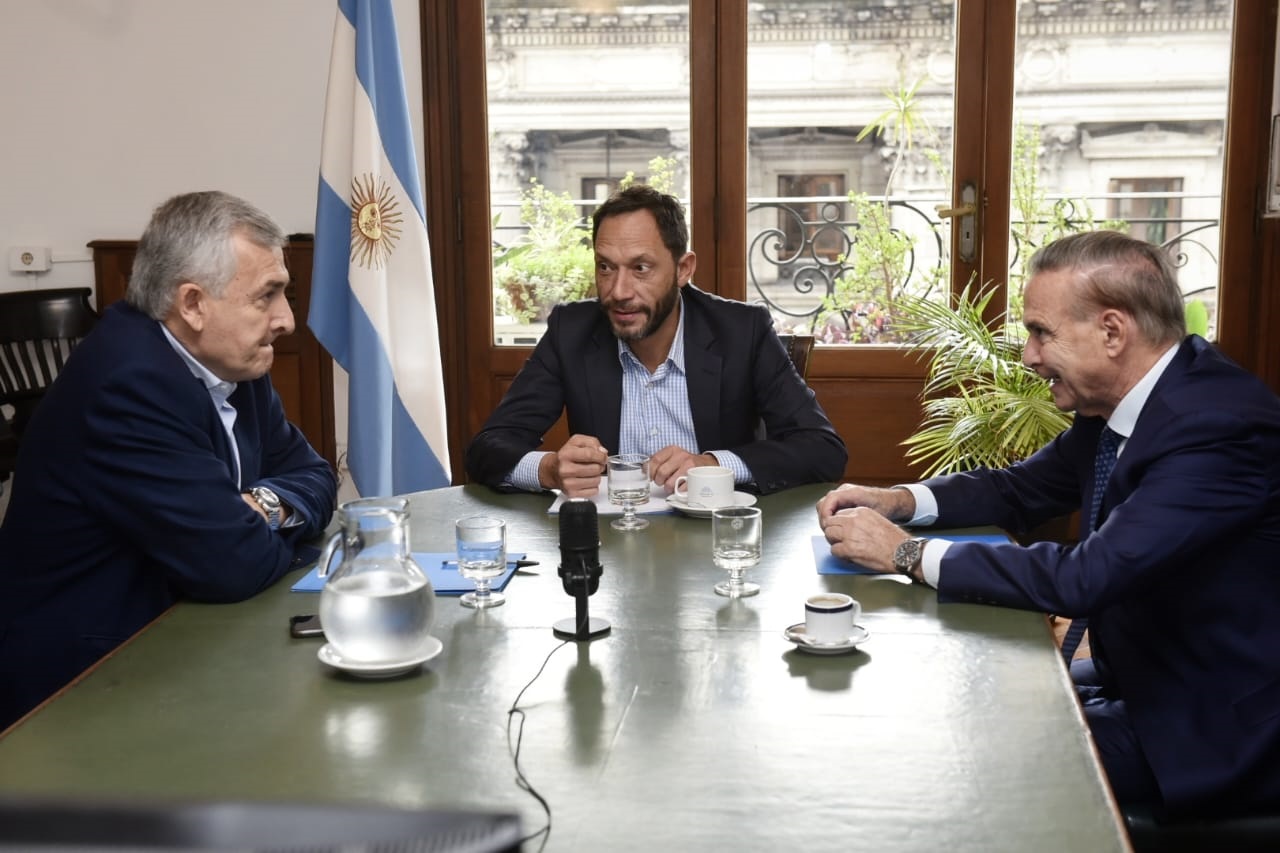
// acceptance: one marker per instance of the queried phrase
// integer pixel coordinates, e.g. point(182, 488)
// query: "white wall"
point(108, 107)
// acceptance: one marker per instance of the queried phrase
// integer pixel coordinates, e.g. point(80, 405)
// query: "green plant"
point(1037, 222)
point(901, 125)
point(878, 271)
point(662, 175)
point(1197, 318)
point(549, 264)
point(982, 407)
point(552, 262)
point(875, 276)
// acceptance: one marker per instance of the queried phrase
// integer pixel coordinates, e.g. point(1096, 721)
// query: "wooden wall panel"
point(873, 416)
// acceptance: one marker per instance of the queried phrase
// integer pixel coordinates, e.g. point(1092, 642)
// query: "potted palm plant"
point(982, 407)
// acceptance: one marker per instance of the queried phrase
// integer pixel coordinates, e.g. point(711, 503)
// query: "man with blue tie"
point(1174, 459)
point(159, 465)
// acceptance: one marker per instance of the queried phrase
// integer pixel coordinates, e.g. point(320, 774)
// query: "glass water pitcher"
point(378, 605)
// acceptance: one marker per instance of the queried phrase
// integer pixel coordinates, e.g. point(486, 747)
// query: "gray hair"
point(189, 240)
point(1120, 272)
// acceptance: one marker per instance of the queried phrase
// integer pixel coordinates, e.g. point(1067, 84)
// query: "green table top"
point(694, 725)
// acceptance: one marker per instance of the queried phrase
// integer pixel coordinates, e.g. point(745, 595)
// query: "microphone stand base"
point(568, 629)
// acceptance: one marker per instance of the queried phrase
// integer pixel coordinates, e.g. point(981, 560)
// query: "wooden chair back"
point(38, 331)
point(799, 347)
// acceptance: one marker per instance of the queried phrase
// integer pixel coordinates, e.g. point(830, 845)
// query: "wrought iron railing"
point(801, 250)
point(795, 266)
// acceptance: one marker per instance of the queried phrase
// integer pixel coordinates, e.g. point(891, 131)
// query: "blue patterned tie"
point(1108, 443)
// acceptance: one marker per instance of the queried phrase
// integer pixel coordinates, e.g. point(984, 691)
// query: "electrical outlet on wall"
point(29, 259)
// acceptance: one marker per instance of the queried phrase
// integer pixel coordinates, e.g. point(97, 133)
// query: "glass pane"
point(850, 112)
point(583, 97)
point(1099, 146)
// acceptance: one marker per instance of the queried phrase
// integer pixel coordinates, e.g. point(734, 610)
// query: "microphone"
point(579, 545)
point(580, 567)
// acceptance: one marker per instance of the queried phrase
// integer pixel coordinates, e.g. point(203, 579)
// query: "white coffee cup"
point(709, 486)
point(829, 617)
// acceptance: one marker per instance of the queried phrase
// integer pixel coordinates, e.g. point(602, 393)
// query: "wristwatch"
point(907, 556)
point(270, 503)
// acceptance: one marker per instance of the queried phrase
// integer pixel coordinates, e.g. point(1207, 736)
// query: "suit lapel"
point(148, 332)
point(604, 387)
point(703, 368)
point(1153, 415)
point(250, 450)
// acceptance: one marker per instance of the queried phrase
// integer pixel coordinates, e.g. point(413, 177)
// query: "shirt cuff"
point(525, 475)
point(926, 504)
point(931, 560)
point(732, 461)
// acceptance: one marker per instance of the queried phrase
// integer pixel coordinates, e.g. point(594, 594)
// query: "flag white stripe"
point(394, 295)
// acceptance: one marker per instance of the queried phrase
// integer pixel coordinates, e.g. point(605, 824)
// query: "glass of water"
point(736, 535)
point(482, 556)
point(629, 488)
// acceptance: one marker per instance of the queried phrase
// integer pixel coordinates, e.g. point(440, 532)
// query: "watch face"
point(266, 497)
point(906, 555)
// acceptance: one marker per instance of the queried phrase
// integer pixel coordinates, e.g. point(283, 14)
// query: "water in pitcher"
point(377, 606)
point(378, 615)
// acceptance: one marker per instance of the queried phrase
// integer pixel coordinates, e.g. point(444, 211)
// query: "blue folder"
point(831, 565)
point(444, 576)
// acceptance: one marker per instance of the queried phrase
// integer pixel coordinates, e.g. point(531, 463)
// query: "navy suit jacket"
point(125, 500)
point(738, 374)
point(1181, 580)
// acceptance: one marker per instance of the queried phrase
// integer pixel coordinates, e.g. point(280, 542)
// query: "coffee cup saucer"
point(330, 657)
point(796, 634)
point(681, 504)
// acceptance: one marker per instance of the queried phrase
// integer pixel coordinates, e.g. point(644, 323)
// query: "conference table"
point(693, 725)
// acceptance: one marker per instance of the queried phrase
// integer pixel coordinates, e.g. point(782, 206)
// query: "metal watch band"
point(270, 503)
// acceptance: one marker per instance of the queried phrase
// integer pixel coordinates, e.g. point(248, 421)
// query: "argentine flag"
point(372, 301)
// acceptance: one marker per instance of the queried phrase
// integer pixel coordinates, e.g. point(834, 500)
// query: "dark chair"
point(799, 347)
point(38, 330)
point(1237, 834)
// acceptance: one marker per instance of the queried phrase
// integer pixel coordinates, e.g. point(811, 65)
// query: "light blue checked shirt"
point(655, 414)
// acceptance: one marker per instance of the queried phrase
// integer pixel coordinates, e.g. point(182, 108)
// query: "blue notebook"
point(444, 577)
point(831, 565)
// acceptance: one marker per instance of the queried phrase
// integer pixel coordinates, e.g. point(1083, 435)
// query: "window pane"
point(850, 112)
point(583, 97)
point(1097, 145)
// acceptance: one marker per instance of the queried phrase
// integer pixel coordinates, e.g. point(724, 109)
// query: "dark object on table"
point(86, 827)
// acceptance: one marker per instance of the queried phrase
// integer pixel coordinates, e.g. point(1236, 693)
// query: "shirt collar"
point(219, 389)
point(1125, 417)
point(676, 354)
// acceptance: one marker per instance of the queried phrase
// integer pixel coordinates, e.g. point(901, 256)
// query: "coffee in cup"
point(829, 617)
point(707, 486)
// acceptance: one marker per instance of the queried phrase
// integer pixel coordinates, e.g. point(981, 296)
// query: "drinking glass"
point(629, 488)
point(482, 556)
point(736, 534)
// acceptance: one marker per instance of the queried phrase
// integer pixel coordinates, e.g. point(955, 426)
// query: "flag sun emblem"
point(375, 221)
